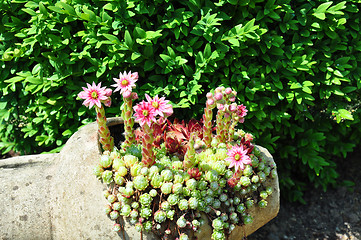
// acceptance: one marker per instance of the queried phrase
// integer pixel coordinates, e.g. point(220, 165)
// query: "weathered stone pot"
point(56, 196)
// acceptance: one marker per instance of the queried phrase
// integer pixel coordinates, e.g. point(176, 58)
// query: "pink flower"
point(127, 94)
point(134, 75)
point(125, 82)
point(210, 102)
point(108, 92)
point(168, 111)
point(241, 111)
point(108, 102)
point(160, 105)
point(220, 106)
point(248, 137)
point(218, 96)
point(93, 95)
point(144, 113)
point(233, 107)
point(238, 157)
point(134, 96)
point(228, 91)
point(209, 95)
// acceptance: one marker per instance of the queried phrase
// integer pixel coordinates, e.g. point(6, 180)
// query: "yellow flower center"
point(155, 104)
point(94, 95)
point(145, 113)
point(125, 82)
point(237, 157)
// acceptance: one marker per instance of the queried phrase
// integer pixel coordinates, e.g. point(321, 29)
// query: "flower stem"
point(207, 124)
point(226, 128)
point(189, 157)
point(148, 156)
point(232, 128)
point(220, 126)
point(128, 122)
point(106, 140)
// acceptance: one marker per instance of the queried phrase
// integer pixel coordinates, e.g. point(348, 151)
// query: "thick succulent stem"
point(148, 156)
point(220, 126)
point(189, 157)
point(226, 128)
point(232, 127)
point(106, 140)
point(128, 122)
point(207, 124)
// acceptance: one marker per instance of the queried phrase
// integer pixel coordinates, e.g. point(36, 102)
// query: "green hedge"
point(295, 64)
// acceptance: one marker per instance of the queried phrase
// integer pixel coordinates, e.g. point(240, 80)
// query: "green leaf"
point(88, 15)
point(101, 70)
point(128, 39)
point(249, 25)
point(51, 102)
point(207, 50)
point(106, 17)
point(270, 4)
point(29, 11)
point(349, 89)
point(165, 57)
point(111, 38)
point(56, 9)
point(110, 6)
point(36, 69)
point(135, 55)
point(34, 80)
point(296, 85)
point(148, 65)
point(307, 90)
point(345, 114)
point(42, 8)
point(338, 73)
point(141, 33)
point(321, 16)
point(323, 7)
point(307, 84)
point(67, 132)
point(339, 6)
point(234, 42)
point(69, 9)
point(153, 34)
point(233, 2)
point(3, 105)
point(171, 52)
point(14, 79)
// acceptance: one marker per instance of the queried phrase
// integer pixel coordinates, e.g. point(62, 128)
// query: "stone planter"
point(55, 196)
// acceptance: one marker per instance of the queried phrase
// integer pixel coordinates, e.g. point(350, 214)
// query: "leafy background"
point(296, 65)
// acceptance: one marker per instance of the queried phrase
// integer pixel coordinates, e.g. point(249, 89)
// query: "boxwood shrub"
point(296, 65)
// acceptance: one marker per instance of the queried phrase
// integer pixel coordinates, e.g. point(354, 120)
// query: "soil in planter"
point(117, 132)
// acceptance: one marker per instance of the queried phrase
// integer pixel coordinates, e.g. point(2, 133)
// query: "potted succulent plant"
point(175, 179)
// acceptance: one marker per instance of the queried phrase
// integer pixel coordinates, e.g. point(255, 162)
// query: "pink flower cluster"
point(145, 112)
point(125, 83)
point(95, 95)
point(224, 98)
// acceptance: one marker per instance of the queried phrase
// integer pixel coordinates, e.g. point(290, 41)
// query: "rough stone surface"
point(25, 197)
point(56, 196)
